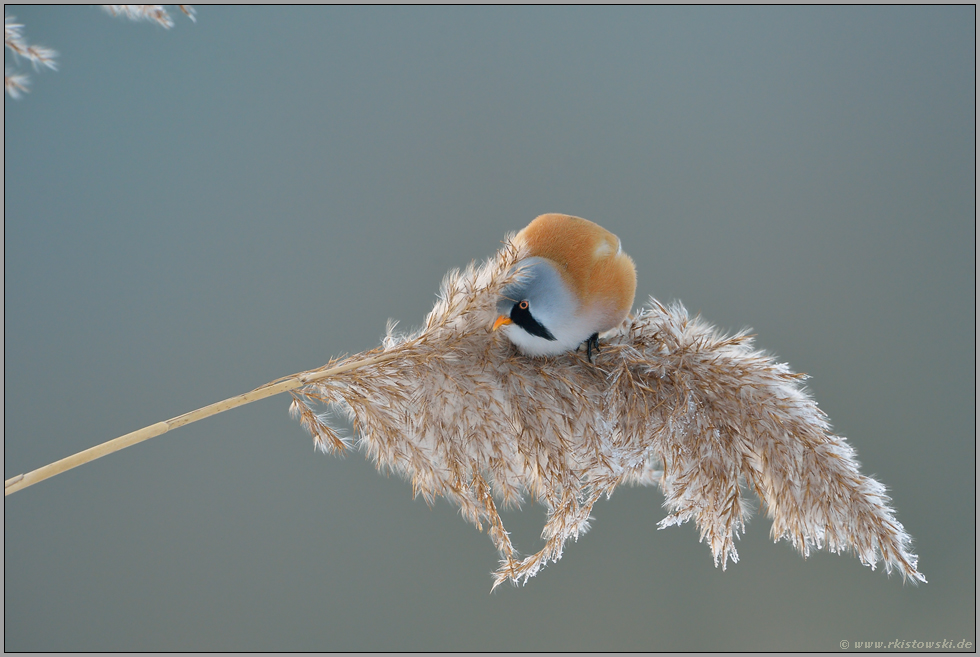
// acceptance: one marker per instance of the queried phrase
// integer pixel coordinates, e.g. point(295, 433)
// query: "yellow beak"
point(503, 319)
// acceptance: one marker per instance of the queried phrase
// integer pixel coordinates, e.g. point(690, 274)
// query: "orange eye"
point(523, 304)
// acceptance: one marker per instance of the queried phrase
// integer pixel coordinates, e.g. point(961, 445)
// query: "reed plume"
point(16, 84)
point(668, 401)
point(154, 13)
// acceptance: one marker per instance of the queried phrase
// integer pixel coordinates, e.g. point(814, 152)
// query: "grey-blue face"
point(537, 299)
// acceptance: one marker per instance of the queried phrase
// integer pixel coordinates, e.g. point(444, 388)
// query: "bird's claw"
point(590, 344)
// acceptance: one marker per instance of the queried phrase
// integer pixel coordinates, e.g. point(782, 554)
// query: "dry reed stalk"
point(22, 481)
point(668, 401)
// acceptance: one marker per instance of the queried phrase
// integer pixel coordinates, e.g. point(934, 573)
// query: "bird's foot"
point(592, 344)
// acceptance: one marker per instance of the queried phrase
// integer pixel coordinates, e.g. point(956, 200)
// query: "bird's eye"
point(523, 304)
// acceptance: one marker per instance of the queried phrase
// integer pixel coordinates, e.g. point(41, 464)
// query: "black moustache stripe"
point(523, 318)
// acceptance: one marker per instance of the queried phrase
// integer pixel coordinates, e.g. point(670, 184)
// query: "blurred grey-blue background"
point(194, 212)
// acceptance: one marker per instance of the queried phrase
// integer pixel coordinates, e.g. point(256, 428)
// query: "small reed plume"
point(154, 13)
point(16, 84)
point(668, 401)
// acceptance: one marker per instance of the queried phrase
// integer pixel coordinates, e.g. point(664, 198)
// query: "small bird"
point(574, 284)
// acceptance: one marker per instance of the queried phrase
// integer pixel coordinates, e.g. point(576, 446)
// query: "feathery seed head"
point(669, 400)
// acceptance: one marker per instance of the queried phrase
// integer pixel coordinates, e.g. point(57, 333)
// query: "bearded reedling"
point(574, 284)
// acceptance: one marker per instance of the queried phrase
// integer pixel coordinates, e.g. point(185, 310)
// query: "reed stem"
point(21, 481)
